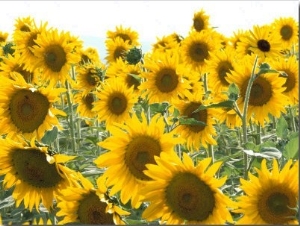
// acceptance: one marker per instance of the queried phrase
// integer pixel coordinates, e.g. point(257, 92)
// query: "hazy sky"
point(92, 19)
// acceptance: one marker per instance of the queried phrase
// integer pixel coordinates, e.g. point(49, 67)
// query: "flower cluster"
point(202, 129)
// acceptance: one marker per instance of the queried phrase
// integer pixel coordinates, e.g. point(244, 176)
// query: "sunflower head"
point(181, 192)
point(200, 21)
point(126, 34)
point(270, 197)
point(32, 170)
point(3, 37)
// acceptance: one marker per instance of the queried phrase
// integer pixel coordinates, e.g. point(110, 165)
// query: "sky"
point(90, 20)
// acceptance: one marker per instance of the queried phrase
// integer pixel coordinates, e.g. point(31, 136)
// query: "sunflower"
point(271, 196)
point(27, 111)
point(24, 42)
point(226, 115)
point(236, 38)
point(85, 205)
point(287, 28)
point(197, 48)
point(128, 73)
point(200, 21)
point(3, 37)
point(36, 174)
point(165, 79)
point(196, 135)
point(263, 42)
point(24, 24)
point(88, 77)
point(290, 67)
point(85, 105)
point(220, 64)
point(11, 64)
point(114, 101)
point(130, 148)
point(55, 55)
point(89, 55)
point(182, 193)
point(165, 43)
point(116, 48)
point(126, 34)
point(266, 95)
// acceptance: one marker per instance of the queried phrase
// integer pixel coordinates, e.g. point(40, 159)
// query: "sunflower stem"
point(211, 153)
point(71, 123)
point(244, 119)
point(258, 135)
point(292, 120)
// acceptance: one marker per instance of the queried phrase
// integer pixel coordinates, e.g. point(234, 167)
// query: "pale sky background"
point(90, 20)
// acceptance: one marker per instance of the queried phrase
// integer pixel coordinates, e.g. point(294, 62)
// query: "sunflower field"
point(201, 129)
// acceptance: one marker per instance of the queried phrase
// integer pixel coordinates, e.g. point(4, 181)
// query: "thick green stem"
point(258, 136)
point(211, 153)
point(244, 119)
point(292, 119)
point(71, 120)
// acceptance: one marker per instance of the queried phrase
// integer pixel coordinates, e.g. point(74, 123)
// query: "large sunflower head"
point(165, 79)
point(55, 54)
point(84, 204)
point(266, 95)
point(183, 193)
point(290, 67)
point(27, 111)
point(271, 196)
point(200, 21)
point(115, 101)
point(263, 42)
point(131, 147)
point(195, 49)
point(287, 28)
point(116, 48)
point(37, 175)
point(199, 134)
point(126, 34)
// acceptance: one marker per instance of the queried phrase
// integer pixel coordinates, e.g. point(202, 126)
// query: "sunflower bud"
point(134, 55)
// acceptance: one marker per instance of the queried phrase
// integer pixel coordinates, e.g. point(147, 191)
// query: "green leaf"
point(268, 153)
point(223, 104)
point(282, 128)
point(251, 146)
point(191, 121)
point(50, 136)
point(291, 148)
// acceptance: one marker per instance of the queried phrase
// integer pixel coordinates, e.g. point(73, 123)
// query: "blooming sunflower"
point(130, 148)
point(270, 197)
point(36, 174)
point(11, 64)
point(290, 66)
point(85, 105)
point(88, 77)
point(200, 21)
point(27, 111)
point(3, 37)
point(84, 205)
point(55, 55)
point(116, 48)
point(24, 24)
point(165, 43)
point(128, 73)
point(126, 34)
point(266, 95)
point(89, 55)
point(263, 42)
point(196, 135)
point(196, 47)
point(287, 28)
point(220, 64)
point(114, 101)
point(165, 79)
point(24, 42)
point(182, 193)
